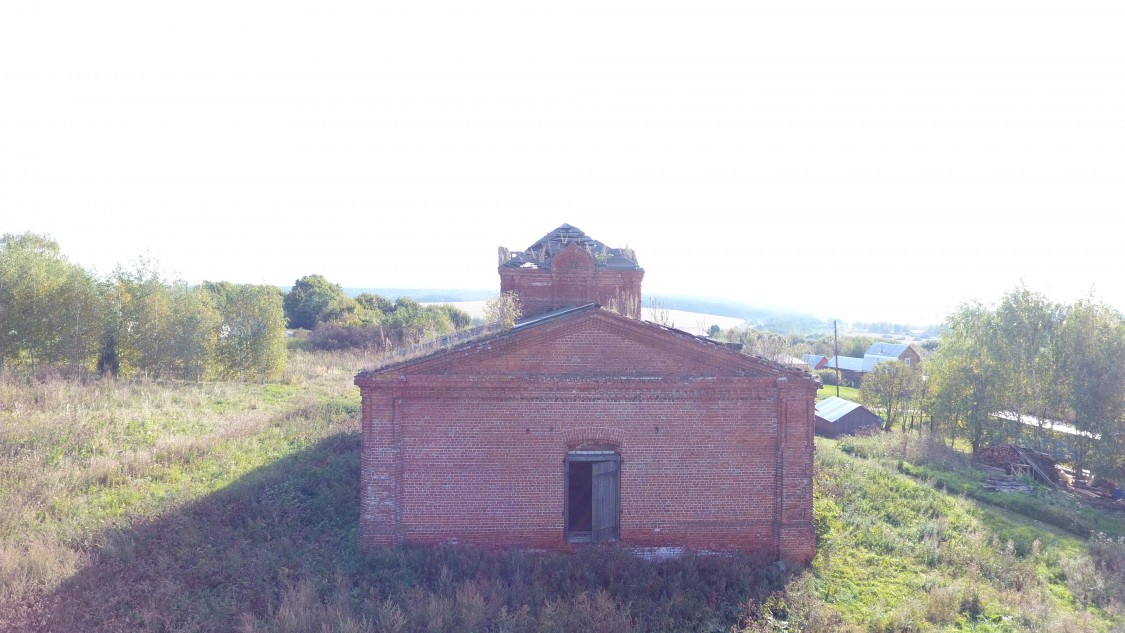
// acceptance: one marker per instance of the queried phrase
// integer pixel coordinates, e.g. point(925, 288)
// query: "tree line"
point(57, 316)
point(1017, 372)
point(369, 321)
point(1009, 373)
point(1037, 361)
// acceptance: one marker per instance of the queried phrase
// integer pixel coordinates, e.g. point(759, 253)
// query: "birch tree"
point(1091, 355)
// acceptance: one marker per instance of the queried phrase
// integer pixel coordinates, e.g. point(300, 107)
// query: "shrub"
point(332, 336)
point(827, 376)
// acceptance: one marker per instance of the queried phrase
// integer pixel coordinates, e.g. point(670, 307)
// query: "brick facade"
point(573, 280)
point(565, 268)
point(471, 444)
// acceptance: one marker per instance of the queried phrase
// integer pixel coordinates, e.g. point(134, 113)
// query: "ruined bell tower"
point(567, 268)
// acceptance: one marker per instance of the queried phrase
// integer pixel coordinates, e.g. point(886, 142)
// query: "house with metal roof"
point(837, 416)
point(852, 369)
point(899, 351)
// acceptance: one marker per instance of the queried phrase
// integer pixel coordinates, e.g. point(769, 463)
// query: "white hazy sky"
point(860, 160)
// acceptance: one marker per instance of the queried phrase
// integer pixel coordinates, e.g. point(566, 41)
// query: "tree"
point(141, 320)
point(313, 299)
point(251, 338)
point(50, 309)
point(456, 316)
point(963, 377)
point(194, 331)
point(1025, 327)
point(768, 345)
point(1090, 349)
point(855, 346)
point(504, 309)
point(374, 302)
point(889, 388)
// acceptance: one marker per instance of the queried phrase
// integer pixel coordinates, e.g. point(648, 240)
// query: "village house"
point(852, 369)
point(900, 351)
point(582, 425)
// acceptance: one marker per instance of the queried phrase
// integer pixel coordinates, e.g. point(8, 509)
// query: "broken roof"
point(540, 254)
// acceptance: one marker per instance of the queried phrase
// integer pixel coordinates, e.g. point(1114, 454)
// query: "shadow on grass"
point(276, 551)
point(200, 567)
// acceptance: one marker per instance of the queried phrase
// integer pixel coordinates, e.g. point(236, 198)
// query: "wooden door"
point(605, 506)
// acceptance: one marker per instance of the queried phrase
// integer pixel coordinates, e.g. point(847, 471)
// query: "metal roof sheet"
point(846, 363)
point(886, 349)
point(861, 365)
point(833, 408)
point(870, 361)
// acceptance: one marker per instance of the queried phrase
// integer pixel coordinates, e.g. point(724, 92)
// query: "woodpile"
point(1014, 460)
point(1008, 462)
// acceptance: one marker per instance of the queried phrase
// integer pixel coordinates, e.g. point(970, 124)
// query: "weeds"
point(145, 505)
point(896, 554)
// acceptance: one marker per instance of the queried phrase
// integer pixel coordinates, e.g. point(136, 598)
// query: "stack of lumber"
point(1012, 460)
point(999, 483)
point(1100, 493)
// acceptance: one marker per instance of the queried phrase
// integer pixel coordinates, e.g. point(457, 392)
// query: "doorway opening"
point(592, 506)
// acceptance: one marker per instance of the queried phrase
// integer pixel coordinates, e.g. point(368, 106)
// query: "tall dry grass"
point(79, 458)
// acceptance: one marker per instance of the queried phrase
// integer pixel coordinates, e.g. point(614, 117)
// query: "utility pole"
point(836, 355)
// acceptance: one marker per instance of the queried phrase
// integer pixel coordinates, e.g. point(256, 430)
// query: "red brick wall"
point(707, 462)
point(573, 280)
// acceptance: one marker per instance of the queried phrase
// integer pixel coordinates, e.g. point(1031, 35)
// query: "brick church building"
point(582, 425)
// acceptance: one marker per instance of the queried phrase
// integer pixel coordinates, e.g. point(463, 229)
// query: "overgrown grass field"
point(167, 506)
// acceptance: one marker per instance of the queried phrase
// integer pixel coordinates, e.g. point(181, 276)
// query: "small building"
point(837, 416)
point(899, 351)
point(581, 425)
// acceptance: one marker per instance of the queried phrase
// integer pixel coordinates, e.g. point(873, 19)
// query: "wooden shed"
point(836, 416)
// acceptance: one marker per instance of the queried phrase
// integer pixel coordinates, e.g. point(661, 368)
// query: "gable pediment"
point(588, 342)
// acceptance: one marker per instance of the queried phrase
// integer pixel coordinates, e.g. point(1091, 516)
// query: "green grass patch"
point(847, 393)
point(900, 547)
